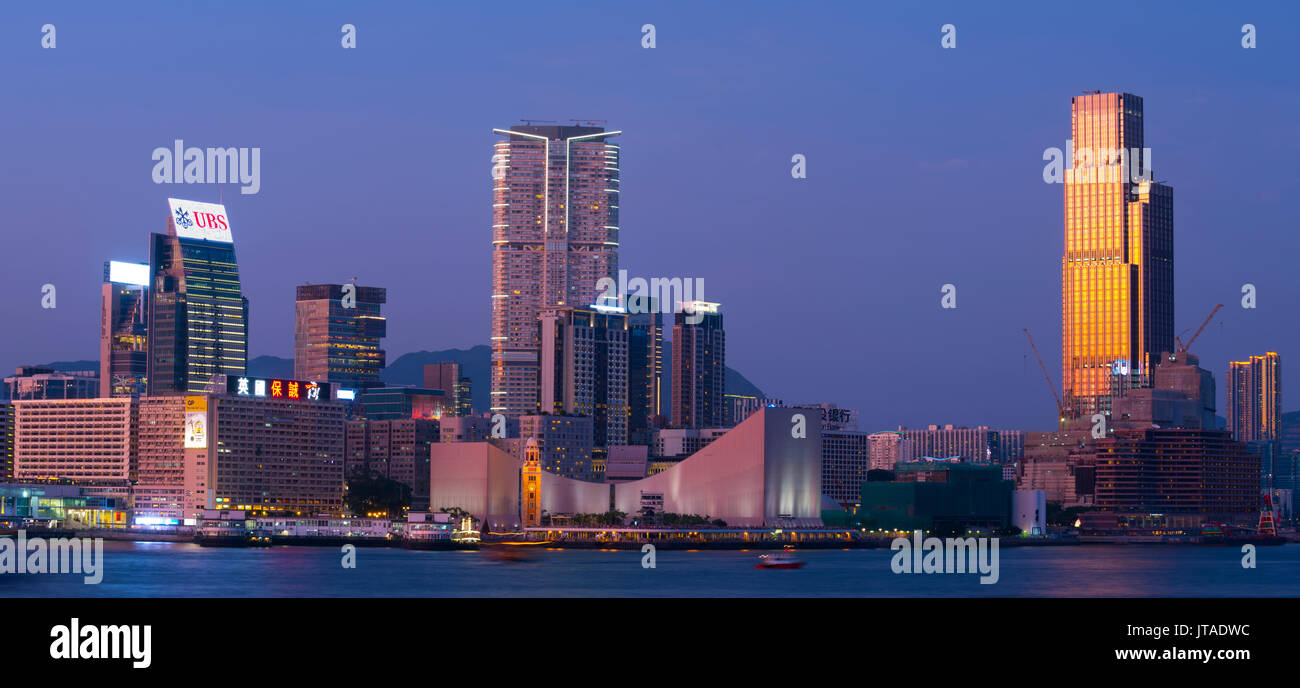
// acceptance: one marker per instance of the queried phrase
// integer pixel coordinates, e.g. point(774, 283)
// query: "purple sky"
point(924, 168)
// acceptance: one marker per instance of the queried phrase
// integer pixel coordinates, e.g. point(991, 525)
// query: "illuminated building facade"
point(198, 317)
point(280, 451)
point(584, 371)
point(88, 441)
point(336, 334)
point(555, 234)
point(1117, 272)
point(123, 330)
point(754, 475)
point(979, 444)
point(565, 443)
point(473, 428)
point(172, 459)
point(1255, 398)
point(699, 377)
point(530, 486)
point(889, 448)
point(67, 506)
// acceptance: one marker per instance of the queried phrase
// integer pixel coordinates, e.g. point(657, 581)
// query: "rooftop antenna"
point(529, 122)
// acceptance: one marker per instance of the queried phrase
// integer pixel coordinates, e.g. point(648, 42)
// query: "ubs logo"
point(183, 219)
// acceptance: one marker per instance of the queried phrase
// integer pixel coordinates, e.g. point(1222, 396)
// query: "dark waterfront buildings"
point(1117, 273)
point(554, 236)
point(395, 449)
point(123, 330)
point(6, 441)
point(198, 316)
point(938, 495)
point(699, 367)
point(1203, 474)
point(337, 328)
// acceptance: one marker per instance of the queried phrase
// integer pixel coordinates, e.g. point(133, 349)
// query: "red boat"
point(782, 560)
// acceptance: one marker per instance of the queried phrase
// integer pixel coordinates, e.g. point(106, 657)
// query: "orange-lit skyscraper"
point(1117, 274)
point(554, 236)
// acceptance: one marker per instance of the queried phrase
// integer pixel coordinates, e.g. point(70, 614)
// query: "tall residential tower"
point(699, 379)
point(1255, 398)
point(554, 236)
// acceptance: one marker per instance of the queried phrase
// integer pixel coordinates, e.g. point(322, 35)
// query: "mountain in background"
point(67, 366)
point(475, 362)
point(408, 371)
point(271, 366)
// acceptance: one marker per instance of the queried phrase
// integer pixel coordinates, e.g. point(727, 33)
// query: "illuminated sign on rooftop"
point(273, 388)
point(197, 220)
point(128, 273)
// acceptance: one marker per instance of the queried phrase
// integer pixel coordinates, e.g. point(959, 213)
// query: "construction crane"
point(1060, 407)
point(1182, 348)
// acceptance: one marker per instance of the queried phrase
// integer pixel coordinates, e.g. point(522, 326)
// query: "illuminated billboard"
point(128, 273)
point(271, 388)
point(196, 220)
point(196, 422)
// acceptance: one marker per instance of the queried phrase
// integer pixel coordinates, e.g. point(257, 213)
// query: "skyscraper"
point(1255, 398)
point(699, 367)
point(584, 369)
point(1117, 272)
point(123, 330)
point(336, 334)
point(645, 370)
point(554, 236)
point(198, 316)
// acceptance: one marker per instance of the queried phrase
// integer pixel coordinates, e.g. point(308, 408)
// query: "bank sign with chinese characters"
point(270, 388)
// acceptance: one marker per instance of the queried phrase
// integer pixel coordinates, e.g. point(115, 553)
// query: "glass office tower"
point(124, 332)
point(198, 317)
point(1117, 272)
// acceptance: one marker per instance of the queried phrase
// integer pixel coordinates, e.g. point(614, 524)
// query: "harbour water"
point(164, 569)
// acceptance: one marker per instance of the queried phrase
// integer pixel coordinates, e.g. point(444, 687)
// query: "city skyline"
point(826, 352)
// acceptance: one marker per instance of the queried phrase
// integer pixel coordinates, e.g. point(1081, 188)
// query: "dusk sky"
point(924, 167)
